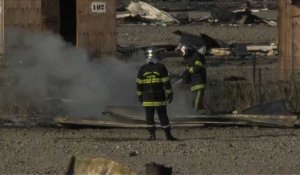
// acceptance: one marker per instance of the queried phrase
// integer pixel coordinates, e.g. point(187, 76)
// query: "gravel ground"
point(200, 151)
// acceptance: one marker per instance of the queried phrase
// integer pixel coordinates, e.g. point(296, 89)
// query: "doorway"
point(68, 20)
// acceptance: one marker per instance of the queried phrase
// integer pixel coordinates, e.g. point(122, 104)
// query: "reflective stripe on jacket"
point(153, 83)
point(196, 68)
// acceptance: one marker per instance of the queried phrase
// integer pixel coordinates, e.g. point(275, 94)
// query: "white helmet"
point(151, 55)
point(184, 48)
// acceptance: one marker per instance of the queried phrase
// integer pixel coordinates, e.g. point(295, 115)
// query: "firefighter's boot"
point(152, 134)
point(169, 135)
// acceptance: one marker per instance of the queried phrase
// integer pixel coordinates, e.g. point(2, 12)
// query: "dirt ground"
point(199, 151)
point(208, 150)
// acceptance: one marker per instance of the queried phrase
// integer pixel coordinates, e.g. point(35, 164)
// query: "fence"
point(235, 84)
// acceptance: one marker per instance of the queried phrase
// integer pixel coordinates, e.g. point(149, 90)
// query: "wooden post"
point(1, 27)
point(296, 35)
point(288, 38)
point(254, 77)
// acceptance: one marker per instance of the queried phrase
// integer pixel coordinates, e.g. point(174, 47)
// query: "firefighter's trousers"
point(198, 100)
point(162, 115)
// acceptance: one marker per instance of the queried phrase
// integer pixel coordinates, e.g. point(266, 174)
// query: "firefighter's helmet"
point(151, 52)
point(185, 48)
point(151, 55)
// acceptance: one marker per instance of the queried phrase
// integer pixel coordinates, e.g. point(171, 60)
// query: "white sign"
point(98, 7)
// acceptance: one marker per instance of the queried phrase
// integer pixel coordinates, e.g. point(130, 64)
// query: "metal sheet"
point(134, 117)
point(96, 26)
point(143, 8)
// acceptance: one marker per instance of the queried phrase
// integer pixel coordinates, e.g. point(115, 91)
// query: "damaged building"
point(89, 24)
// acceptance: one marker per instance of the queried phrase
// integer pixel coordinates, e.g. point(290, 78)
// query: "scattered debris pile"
point(237, 17)
point(274, 114)
point(211, 45)
point(144, 13)
point(188, 5)
point(141, 13)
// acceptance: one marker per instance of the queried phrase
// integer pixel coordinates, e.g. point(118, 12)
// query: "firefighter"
point(195, 75)
point(154, 91)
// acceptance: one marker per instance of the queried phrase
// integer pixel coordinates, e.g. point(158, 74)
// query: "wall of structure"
point(23, 14)
point(288, 38)
point(96, 26)
point(90, 24)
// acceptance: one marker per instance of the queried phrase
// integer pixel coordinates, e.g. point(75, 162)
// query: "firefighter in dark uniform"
point(195, 75)
point(154, 91)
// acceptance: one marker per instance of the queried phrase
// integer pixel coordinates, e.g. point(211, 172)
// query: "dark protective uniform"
point(153, 89)
point(195, 75)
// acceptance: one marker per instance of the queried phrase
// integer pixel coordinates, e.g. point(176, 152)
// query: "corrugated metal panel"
point(23, 13)
point(50, 15)
point(1, 27)
point(96, 26)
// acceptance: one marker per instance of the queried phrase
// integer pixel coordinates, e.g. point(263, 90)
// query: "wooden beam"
point(296, 36)
point(1, 27)
point(284, 39)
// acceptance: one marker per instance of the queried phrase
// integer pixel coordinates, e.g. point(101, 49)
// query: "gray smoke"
point(45, 66)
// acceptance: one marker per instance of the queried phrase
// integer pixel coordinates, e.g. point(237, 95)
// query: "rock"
point(133, 153)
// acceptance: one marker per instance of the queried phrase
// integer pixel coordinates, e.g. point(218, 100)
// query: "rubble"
point(144, 13)
point(236, 17)
point(213, 46)
point(134, 117)
point(141, 12)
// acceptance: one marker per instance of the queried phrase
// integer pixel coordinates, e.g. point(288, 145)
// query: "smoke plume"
point(45, 66)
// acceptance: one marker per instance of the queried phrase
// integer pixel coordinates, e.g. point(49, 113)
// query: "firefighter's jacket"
point(153, 83)
point(196, 70)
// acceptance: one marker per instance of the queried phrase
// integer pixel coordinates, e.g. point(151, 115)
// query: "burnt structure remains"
point(89, 24)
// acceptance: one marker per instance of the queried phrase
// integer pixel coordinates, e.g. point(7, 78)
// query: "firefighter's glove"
point(186, 76)
point(140, 98)
point(170, 97)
